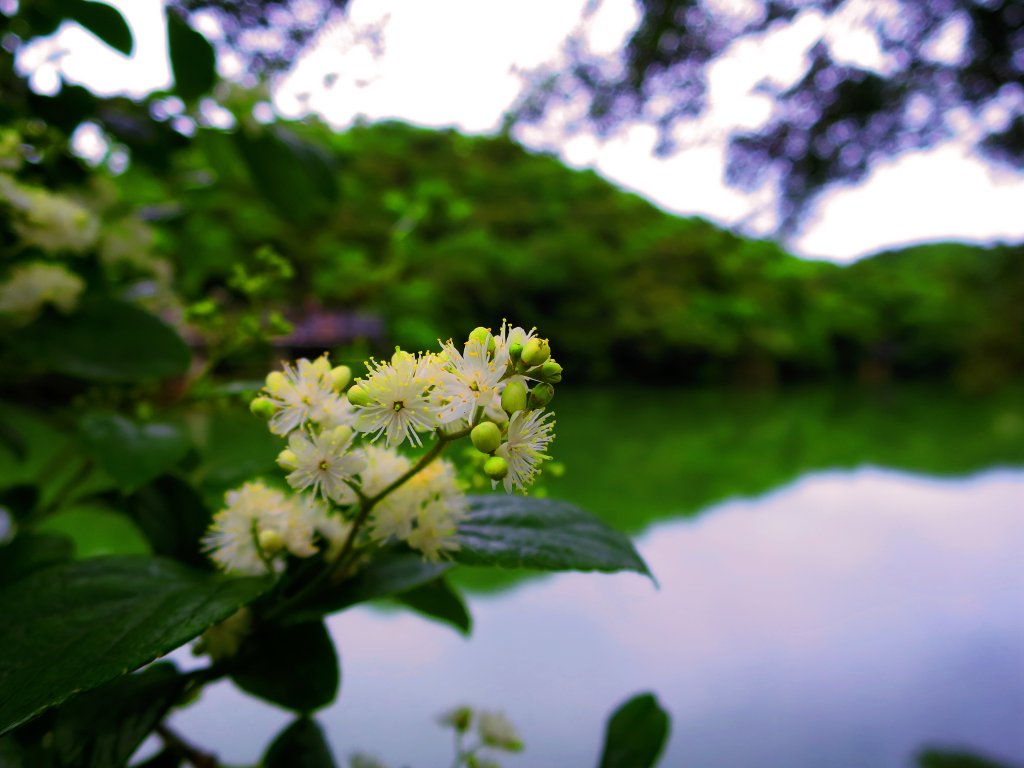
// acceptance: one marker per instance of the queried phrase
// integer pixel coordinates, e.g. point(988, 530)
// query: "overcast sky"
point(451, 63)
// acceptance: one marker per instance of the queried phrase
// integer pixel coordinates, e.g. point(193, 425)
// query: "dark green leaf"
point(11, 439)
point(439, 600)
point(173, 517)
point(295, 667)
point(636, 734)
point(389, 573)
point(301, 745)
point(165, 758)
point(106, 340)
point(96, 531)
point(193, 61)
point(104, 727)
point(30, 552)
point(104, 22)
point(941, 758)
point(73, 627)
point(523, 532)
point(132, 453)
point(20, 500)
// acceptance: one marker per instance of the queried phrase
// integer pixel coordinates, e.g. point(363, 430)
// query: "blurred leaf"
point(172, 515)
point(73, 627)
point(636, 734)
point(389, 573)
point(30, 552)
point(295, 667)
point(165, 758)
point(439, 600)
point(103, 727)
point(941, 758)
point(20, 500)
point(301, 745)
point(524, 532)
point(193, 60)
point(11, 439)
point(106, 340)
point(132, 453)
point(104, 22)
point(65, 109)
point(96, 531)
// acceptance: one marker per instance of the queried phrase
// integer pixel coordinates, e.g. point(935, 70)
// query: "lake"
point(840, 584)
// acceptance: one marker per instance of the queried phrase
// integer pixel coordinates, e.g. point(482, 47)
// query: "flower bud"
point(358, 396)
point(486, 437)
point(496, 468)
point(458, 718)
point(275, 381)
point(287, 459)
point(400, 356)
point(536, 351)
point(551, 371)
point(340, 377)
point(263, 407)
point(515, 351)
point(271, 542)
point(513, 397)
point(341, 433)
point(483, 335)
point(541, 395)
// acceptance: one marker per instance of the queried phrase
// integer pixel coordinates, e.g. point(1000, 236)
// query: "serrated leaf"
point(193, 60)
point(31, 552)
point(439, 600)
point(73, 627)
point(524, 532)
point(104, 22)
point(132, 453)
point(106, 340)
point(389, 573)
point(636, 734)
point(301, 745)
point(295, 667)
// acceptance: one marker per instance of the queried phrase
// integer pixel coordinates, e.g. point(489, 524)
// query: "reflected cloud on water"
point(846, 620)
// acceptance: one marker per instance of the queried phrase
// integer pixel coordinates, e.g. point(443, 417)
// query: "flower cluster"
point(353, 488)
point(31, 286)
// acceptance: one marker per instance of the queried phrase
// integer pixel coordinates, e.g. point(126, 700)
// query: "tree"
point(941, 67)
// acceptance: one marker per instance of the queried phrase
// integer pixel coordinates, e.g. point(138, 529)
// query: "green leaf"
point(193, 61)
point(173, 517)
point(524, 532)
point(96, 531)
point(106, 340)
point(301, 745)
point(295, 667)
point(389, 573)
point(20, 500)
point(104, 22)
point(636, 734)
point(941, 758)
point(73, 627)
point(30, 552)
point(12, 440)
point(104, 727)
point(130, 452)
point(439, 600)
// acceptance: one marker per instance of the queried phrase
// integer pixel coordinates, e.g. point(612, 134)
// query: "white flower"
point(49, 221)
point(330, 525)
point(32, 285)
point(300, 393)
point(324, 463)
point(496, 730)
point(399, 401)
point(529, 433)
point(508, 336)
point(469, 380)
point(435, 530)
point(251, 511)
point(334, 412)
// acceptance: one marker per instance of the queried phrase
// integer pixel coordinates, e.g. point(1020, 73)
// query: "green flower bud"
point(263, 407)
point(271, 542)
point(342, 432)
point(496, 468)
point(551, 371)
point(340, 377)
point(275, 381)
point(358, 396)
point(286, 459)
point(515, 351)
point(513, 397)
point(541, 395)
point(483, 335)
point(459, 718)
point(536, 351)
point(486, 437)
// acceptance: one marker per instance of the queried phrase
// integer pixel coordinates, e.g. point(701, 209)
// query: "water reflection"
point(845, 620)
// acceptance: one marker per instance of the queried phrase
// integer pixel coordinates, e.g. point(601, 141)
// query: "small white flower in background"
point(398, 401)
point(299, 392)
point(255, 511)
point(496, 730)
point(325, 464)
point(31, 286)
point(47, 220)
point(469, 379)
point(529, 433)
point(434, 534)
point(334, 412)
point(508, 336)
point(330, 525)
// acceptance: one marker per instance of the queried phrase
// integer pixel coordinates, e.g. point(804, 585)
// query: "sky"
point(454, 63)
